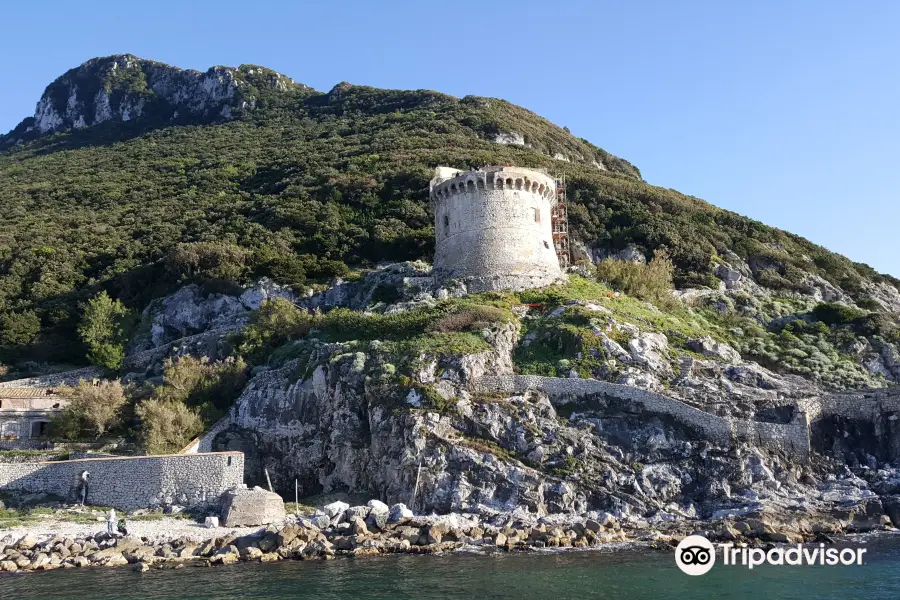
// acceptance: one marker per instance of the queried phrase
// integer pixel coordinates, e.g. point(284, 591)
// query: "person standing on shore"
point(83, 486)
point(111, 522)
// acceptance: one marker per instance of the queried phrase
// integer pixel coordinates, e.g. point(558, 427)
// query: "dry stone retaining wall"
point(133, 482)
point(792, 438)
point(862, 406)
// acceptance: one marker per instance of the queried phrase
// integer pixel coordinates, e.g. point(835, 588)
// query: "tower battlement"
point(493, 227)
point(451, 181)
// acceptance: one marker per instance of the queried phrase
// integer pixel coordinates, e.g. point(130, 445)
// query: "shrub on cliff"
point(651, 281)
point(835, 313)
point(104, 329)
point(166, 426)
point(208, 386)
point(276, 322)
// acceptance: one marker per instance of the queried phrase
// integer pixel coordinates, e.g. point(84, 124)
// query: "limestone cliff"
point(123, 87)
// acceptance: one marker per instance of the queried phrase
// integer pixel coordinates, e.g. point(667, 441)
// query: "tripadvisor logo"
point(696, 555)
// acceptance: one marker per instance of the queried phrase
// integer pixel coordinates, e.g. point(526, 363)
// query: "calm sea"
point(621, 574)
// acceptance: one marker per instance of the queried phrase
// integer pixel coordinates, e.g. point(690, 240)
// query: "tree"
point(19, 329)
point(204, 261)
point(166, 425)
point(104, 329)
point(96, 407)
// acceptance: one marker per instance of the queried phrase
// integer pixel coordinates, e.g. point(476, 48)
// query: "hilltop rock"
point(125, 88)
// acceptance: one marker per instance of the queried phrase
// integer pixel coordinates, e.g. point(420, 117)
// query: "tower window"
point(537, 215)
point(446, 224)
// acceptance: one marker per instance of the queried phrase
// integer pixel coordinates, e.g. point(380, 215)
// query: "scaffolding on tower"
point(560, 220)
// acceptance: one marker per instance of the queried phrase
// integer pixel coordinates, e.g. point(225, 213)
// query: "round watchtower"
point(493, 228)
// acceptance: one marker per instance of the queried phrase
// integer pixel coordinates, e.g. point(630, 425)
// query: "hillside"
point(135, 177)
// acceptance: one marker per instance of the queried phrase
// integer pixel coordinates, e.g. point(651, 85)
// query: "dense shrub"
point(835, 313)
point(652, 281)
point(203, 261)
point(469, 318)
point(93, 409)
point(19, 329)
point(210, 387)
point(167, 426)
point(276, 322)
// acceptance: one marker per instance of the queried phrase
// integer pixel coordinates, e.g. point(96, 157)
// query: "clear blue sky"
point(783, 111)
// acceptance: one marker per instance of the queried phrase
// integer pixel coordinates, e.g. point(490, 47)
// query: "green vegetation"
point(207, 387)
point(651, 281)
point(167, 426)
point(450, 327)
point(301, 188)
point(92, 410)
point(104, 330)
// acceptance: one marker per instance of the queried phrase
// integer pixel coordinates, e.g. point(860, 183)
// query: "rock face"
point(251, 507)
point(124, 87)
point(191, 322)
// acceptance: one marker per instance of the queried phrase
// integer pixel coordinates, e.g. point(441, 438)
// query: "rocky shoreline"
point(340, 530)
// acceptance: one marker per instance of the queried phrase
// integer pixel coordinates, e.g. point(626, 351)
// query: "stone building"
point(25, 412)
point(493, 228)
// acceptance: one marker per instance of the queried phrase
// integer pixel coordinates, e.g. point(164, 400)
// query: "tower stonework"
point(493, 228)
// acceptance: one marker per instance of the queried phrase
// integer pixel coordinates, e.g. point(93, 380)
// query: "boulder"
point(892, 509)
point(335, 508)
point(320, 519)
point(399, 512)
point(707, 346)
point(251, 507)
point(28, 542)
point(211, 522)
point(358, 526)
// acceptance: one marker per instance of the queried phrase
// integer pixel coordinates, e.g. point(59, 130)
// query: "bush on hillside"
point(19, 329)
point(210, 387)
point(469, 318)
point(104, 329)
point(276, 322)
point(835, 313)
point(205, 261)
point(652, 281)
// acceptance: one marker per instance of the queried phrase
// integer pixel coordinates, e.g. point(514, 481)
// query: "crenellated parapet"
point(493, 178)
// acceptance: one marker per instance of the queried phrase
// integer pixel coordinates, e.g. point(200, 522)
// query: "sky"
point(784, 111)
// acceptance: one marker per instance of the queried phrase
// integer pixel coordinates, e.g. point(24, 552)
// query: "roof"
point(26, 392)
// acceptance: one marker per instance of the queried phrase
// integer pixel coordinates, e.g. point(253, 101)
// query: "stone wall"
point(792, 438)
point(860, 406)
point(493, 229)
point(133, 482)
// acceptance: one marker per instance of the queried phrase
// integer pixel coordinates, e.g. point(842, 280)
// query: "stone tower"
point(493, 228)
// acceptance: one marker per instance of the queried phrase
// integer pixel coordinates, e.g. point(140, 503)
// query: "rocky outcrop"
point(124, 87)
point(196, 323)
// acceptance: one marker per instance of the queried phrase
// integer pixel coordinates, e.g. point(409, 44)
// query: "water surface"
point(625, 574)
